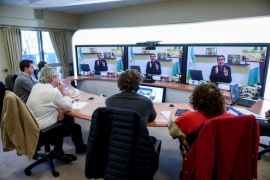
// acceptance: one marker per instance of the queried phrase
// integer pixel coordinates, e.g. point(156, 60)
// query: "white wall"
point(175, 11)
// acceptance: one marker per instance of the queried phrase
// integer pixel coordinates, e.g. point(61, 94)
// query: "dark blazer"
point(119, 146)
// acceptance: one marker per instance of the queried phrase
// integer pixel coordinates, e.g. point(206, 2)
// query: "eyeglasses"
point(152, 56)
point(99, 55)
point(220, 59)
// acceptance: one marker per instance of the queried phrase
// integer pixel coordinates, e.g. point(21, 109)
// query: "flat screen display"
point(87, 55)
point(155, 93)
point(243, 65)
point(169, 58)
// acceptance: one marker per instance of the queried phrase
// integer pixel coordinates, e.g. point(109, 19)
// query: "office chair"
point(265, 146)
point(9, 81)
point(226, 148)
point(36, 73)
point(119, 146)
point(20, 131)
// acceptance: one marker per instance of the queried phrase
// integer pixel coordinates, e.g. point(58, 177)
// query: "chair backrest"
point(224, 150)
point(10, 80)
point(3, 88)
point(19, 128)
point(118, 146)
point(36, 73)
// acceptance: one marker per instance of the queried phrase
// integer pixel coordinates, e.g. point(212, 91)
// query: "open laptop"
point(236, 98)
point(85, 67)
point(196, 74)
point(137, 68)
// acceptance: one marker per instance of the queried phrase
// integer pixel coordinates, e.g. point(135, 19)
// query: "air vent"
point(38, 13)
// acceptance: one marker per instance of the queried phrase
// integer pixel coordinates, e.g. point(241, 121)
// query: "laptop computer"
point(236, 98)
point(85, 67)
point(137, 68)
point(196, 74)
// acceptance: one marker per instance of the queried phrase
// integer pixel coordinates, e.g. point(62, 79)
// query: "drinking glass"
point(70, 91)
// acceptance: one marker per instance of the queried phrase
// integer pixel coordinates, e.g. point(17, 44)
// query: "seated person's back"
point(128, 82)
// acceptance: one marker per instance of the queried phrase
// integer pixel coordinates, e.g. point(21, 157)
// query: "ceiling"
point(78, 6)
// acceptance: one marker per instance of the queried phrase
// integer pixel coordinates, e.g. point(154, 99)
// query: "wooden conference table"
point(86, 112)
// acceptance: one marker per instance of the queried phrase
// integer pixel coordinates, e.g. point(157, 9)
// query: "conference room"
point(174, 35)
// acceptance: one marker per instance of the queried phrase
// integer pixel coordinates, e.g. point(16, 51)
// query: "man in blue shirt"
point(153, 66)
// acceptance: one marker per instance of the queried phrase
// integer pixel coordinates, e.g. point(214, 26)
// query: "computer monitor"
point(196, 74)
point(85, 67)
point(136, 68)
point(160, 92)
point(234, 92)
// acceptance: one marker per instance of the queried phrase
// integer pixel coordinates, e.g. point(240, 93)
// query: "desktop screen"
point(159, 93)
point(246, 62)
point(87, 54)
point(170, 58)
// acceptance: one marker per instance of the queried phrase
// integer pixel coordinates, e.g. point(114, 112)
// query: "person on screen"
point(153, 66)
point(100, 63)
point(129, 83)
point(221, 72)
point(207, 102)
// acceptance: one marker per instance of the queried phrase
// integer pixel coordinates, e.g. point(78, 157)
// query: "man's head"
point(49, 75)
point(221, 60)
point(153, 57)
point(41, 64)
point(129, 81)
point(27, 66)
point(99, 55)
point(208, 99)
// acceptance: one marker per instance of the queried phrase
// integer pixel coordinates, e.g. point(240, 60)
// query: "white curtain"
point(13, 43)
point(59, 41)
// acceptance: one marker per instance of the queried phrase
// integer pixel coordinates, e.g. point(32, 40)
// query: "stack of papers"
point(166, 114)
point(78, 105)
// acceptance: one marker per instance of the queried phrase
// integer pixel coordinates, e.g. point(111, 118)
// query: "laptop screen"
point(160, 92)
point(234, 92)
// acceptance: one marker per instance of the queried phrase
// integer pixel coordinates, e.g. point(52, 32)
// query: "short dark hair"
point(41, 64)
point(220, 56)
point(99, 53)
point(25, 64)
point(153, 54)
point(208, 99)
point(129, 81)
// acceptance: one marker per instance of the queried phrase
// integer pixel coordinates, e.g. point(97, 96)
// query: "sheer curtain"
point(13, 42)
point(59, 42)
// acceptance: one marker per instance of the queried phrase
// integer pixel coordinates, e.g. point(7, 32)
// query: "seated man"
point(48, 100)
point(41, 64)
point(221, 72)
point(24, 82)
point(153, 66)
point(100, 63)
point(128, 98)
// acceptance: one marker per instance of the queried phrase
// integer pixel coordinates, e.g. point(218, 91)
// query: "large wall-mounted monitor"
point(169, 57)
point(155, 93)
point(88, 54)
point(247, 63)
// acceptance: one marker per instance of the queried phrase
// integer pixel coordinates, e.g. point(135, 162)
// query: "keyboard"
point(245, 102)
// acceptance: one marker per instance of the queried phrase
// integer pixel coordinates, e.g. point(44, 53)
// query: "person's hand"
point(61, 86)
point(157, 67)
point(103, 63)
point(216, 69)
point(60, 116)
point(172, 116)
point(150, 65)
point(267, 114)
point(225, 71)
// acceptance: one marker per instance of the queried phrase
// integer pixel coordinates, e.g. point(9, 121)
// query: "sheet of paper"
point(166, 114)
point(78, 105)
point(245, 111)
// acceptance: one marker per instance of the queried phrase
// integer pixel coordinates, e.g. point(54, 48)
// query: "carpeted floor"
point(12, 166)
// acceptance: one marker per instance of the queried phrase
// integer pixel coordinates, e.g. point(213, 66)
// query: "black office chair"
point(119, 146)
point(21, 132)
point(3, 89)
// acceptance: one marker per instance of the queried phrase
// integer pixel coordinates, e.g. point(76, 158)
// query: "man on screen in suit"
point(221, 72)
point(153, 66)
point(100, 63)
point(24, 82)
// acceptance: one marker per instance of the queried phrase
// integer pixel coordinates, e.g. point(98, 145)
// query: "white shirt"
point(45, 102)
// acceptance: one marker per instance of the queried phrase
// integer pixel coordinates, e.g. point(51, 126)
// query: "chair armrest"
point(53, 129)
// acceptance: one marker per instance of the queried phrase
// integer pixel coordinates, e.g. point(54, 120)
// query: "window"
point(37, 46)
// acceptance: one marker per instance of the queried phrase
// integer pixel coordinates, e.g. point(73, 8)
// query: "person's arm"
point(62, 100)
point(158, 69)
point(104, 65)
point(96, 65)
point(148, 70)
point(153, 114)
point(228, 79)
point(213, 74)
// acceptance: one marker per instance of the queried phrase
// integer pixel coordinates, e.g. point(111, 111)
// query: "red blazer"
point(226, 148)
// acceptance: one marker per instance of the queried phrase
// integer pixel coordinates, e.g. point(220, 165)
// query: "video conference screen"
point(169, 57)
point(87, 55)
point(155, 93)
point(243, 65)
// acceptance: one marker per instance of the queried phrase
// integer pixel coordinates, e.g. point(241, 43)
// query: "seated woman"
point(207, 102)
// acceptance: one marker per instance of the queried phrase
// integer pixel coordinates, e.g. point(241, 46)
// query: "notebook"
point(236, 98)
point(196, 74)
